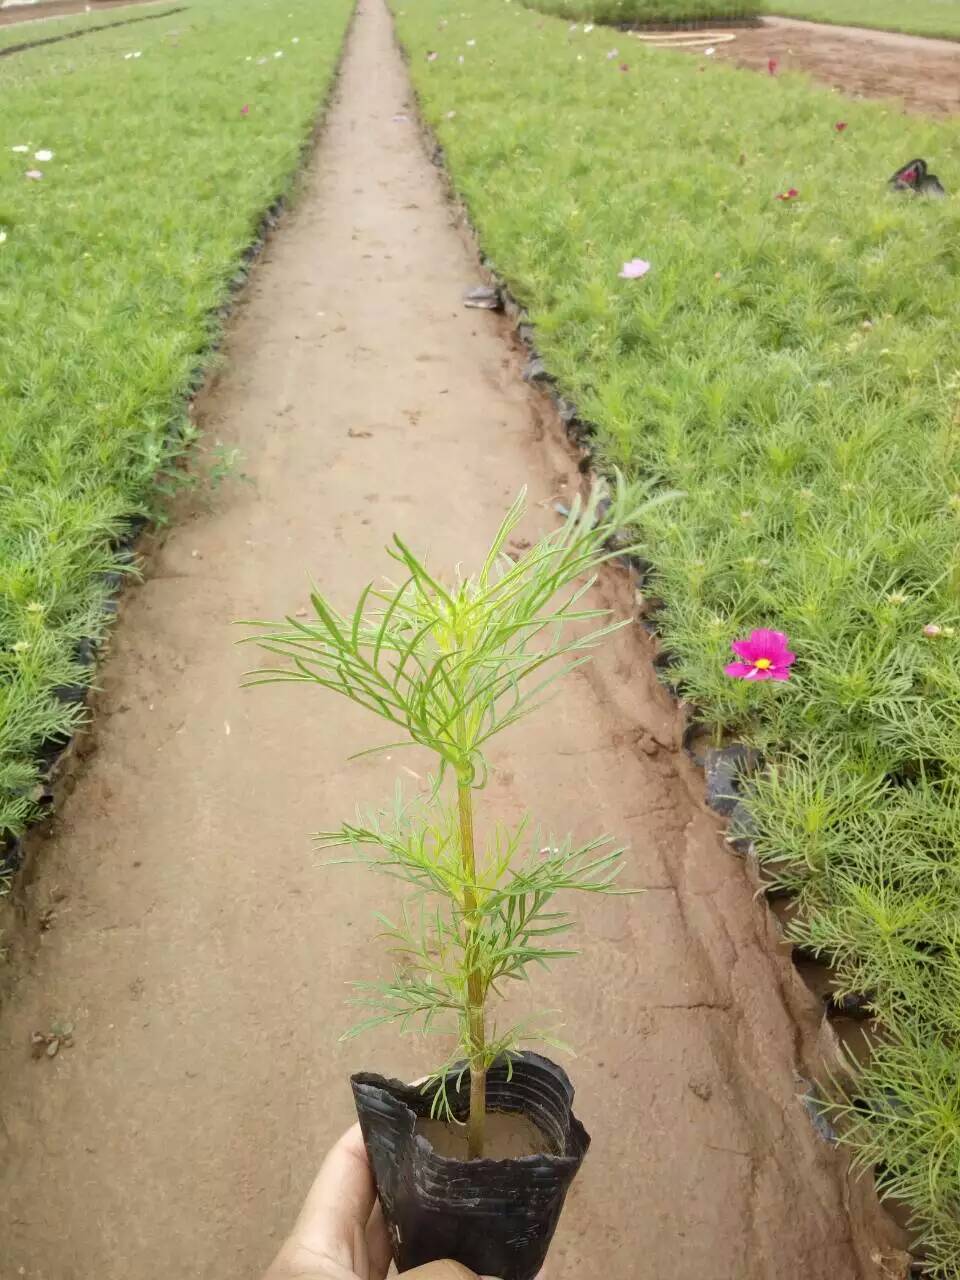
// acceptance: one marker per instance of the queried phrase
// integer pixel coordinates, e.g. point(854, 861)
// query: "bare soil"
point(179, 920)
point(921, 74)
point(507, 1137)
point(22, 13)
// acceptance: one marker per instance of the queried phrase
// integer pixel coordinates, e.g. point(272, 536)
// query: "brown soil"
point(23, 13)
point(190, 937)
point(923, 74)
point(507, 1137)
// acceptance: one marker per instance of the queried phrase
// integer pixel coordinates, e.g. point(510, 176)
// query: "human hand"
point(340, 1234)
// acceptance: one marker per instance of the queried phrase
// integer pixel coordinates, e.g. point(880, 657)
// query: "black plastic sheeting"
point(495, 1216)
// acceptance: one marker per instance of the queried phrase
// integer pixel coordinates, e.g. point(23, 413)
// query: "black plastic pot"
point(495, 1216)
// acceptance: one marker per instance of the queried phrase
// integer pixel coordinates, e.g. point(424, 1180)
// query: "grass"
point(920, 17)
point(651, 12)
point(791, 366)
point(111, 275)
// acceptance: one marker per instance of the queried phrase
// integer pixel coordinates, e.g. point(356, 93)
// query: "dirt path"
point(923, 73)
point(196, 947)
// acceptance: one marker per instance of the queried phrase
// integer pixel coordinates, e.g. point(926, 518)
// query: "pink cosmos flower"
point(840, 126)
point(764, 656)
point(789, 195)
point(772, 65)
point(245, 109)
point(624, 66)
point(635, 269)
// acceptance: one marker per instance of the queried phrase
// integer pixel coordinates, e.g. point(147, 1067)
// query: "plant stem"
point(478, 1069)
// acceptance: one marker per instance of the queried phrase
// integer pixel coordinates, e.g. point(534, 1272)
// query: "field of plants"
point(721, 282)
point(921, 17)
point(123, 221)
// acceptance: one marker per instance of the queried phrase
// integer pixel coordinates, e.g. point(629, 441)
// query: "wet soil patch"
point(923, 74)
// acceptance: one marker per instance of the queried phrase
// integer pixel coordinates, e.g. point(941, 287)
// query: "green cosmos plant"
point(449, 665)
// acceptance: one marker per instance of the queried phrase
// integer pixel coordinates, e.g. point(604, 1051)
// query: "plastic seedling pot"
point(495, 1215)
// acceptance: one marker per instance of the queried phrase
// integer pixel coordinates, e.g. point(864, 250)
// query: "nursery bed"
point(19, 14)
point(113, 310)
point(776, 365)
point(921, 17)
point(181, 875)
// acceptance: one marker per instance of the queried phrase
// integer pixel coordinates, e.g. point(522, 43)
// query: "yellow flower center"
point(763, 663)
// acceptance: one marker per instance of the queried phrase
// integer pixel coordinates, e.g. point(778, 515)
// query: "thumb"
point(445, 1270)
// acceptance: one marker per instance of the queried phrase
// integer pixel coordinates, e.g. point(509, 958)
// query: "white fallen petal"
point(43, 155)
point(20, 149)
point(278, 54)
point(3, 236)
point(295, 40)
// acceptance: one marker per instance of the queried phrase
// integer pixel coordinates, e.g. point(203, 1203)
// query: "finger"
point(340, 1201)
point(445, 1270)
point(378, 1244)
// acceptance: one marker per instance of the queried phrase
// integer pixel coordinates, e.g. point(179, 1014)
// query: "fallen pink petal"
point(788, 195)
point(764, 655)
point(245, 109)
point(772, 65)
point(635, 269)
point(624, 66)
point(840, 126)
point(34, 174)
point(432, 55)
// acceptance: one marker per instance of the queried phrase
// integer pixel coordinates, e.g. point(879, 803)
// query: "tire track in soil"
point(198, 949)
